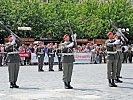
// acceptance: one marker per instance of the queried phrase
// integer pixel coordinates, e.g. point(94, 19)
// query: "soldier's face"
point(67, 38)
point(10, 39)
point(111, 36)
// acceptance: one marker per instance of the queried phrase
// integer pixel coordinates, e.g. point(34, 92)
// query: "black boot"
point(40, 70)
point(70, 87)
point(60, 67)
point(66, 85)
point(11, 85)
point(110, 83)
point(51, 69)
point(120, 76)
point(113, 83)
point(15, 86)
point(118, 80)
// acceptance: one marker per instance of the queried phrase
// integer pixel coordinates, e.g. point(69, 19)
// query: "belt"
point(12, 52)
point(111, 52)
point(119, 50)
point(67, 54)
point(40, 53)
point(51, 53)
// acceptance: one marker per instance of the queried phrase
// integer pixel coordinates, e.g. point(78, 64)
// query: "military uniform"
point(59, 55)
point(103, 54)
point(67, 61)
point(111, 60)
point(13, 60)
point(40, 55)
point(51, 55)
point(125, 53)
point(119, 61)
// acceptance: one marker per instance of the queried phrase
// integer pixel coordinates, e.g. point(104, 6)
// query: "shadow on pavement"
point(126, 78)
point(126, 87)
point(128, 83)
point(81, 89)
point(29, 88)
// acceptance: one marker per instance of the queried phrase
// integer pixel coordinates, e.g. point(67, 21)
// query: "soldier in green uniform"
point(13, 59)
point(40, 55)
point(51, 55)
point(119, 58)
point(111, 59)
point(59, 55)
point(67, 60)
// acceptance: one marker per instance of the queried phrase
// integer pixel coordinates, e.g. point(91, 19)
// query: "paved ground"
point(89, 81)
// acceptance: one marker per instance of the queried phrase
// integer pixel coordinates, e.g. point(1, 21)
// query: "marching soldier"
point(40, 55)
point(51, 55)
point(111, 59)
point(103, 54)
point(13, 59)
point(59, 55)
point(119, 58)
point(67, 59)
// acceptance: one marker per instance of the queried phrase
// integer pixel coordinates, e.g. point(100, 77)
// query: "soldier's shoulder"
point(107, 41)
point(7, 43)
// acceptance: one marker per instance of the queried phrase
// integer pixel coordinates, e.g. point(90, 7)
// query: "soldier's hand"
point(75, 36)
point(13, 42)
point(117, 42)
point(13, 37)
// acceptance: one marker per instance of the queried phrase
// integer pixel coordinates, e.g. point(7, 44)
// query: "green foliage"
point(88, 19)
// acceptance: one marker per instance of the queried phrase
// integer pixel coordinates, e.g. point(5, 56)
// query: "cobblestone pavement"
point(89, 82)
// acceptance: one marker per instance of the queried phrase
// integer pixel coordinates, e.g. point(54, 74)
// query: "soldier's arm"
point(36, 51)
point(64, 47)
point(48, 52)
point(18, 43)
point(8, 47)
point(109, 44)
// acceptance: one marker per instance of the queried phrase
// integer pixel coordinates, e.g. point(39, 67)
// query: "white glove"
point(122, 38)
point(70, 45)
point(13, 42)
point(117, 42)
point(74, 36)
point(13, 37)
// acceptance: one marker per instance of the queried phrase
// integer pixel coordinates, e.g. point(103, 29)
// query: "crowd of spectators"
point(98, 52)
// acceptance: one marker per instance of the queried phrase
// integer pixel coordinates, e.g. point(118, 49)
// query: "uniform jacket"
point(111, 48)
point(11, 56)
point(67, 58)
point(51, 52)
point(40, 51)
